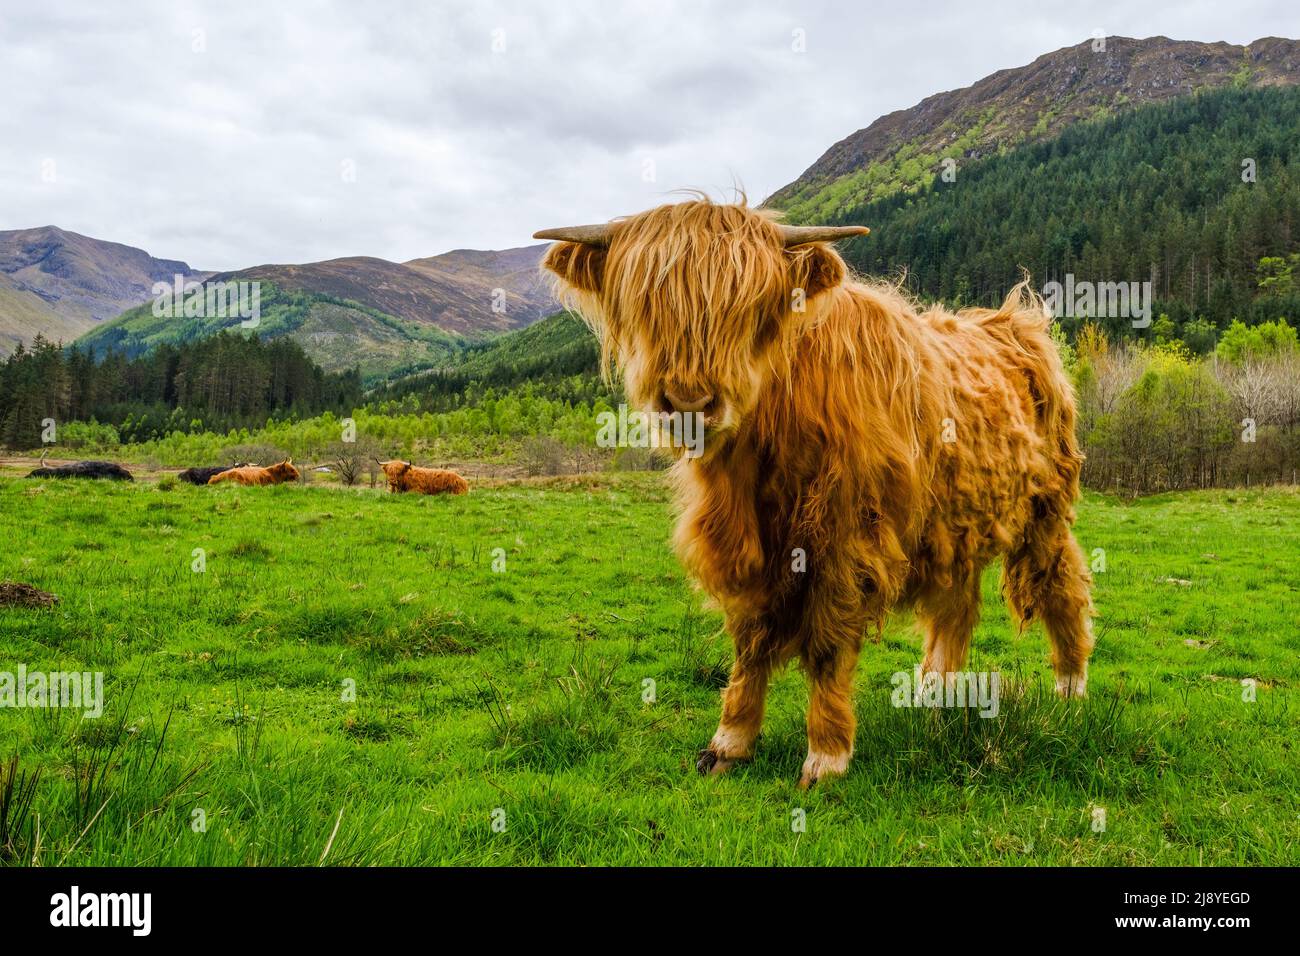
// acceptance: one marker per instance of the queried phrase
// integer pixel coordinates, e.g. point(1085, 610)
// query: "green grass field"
point(499, 716)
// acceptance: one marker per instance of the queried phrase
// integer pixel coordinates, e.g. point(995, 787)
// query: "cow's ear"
point(815, 268)
point(578, 264)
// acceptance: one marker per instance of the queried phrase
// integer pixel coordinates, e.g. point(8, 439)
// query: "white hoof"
point(819, 766)
point(1073, 685)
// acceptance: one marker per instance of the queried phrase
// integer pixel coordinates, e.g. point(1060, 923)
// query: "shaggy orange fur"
point(403, 476)
point(861, 454)
point(253, 475)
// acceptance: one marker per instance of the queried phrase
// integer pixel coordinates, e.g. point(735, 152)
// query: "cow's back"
point(243, 476)
point(938, 433)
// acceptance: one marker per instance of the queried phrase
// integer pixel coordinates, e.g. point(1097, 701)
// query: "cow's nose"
point(685, 405)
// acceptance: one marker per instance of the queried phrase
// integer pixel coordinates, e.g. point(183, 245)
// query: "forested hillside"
point(556, 357)
point(1154, 194)
point(1095, 79)
point(219, 383)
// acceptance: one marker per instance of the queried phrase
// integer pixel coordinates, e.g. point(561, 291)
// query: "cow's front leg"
point(743, 700)
point(831, 721)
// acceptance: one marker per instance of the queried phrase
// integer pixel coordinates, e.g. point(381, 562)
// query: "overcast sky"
point(234, 133)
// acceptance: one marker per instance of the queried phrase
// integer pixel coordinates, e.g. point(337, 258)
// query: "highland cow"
point(253, 475)
point(201, 476)
point(83, 469)
point(861, 454)
point(403, 476)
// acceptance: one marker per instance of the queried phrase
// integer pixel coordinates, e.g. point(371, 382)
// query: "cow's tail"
point(1026, 322)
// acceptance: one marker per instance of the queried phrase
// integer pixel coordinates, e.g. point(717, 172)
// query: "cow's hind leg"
point(743, 699)
point(1047, 577)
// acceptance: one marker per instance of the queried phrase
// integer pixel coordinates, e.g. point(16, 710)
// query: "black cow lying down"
point(84, 469)
point(200, 476)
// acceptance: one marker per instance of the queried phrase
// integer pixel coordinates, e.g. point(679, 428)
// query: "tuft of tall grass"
point(17, 790)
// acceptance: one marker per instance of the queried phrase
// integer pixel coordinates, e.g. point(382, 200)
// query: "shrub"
point(1170, 429)
point(351, 460)
point(543, 456)
point(1240, 342)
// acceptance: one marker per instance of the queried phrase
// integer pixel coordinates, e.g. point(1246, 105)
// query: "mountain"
point(528, 295)
point(387, 318)
point(454, 292)
point(905, 149)
point(59, 283)
point(336, 333)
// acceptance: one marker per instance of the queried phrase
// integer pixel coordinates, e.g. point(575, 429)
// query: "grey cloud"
point(234, 155)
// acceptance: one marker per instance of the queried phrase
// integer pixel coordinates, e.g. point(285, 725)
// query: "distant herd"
point(402, 475)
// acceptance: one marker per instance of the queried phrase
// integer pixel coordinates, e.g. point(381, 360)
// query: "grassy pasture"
point(516, 696)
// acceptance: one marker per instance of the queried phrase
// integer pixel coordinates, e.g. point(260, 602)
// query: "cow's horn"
point(800, 235)
point(598, 235)
point(594, 235)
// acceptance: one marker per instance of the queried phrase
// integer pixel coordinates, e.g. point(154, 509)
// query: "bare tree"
point(352, 459)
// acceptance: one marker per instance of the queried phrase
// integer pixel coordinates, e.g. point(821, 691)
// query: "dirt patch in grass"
point(16, 594)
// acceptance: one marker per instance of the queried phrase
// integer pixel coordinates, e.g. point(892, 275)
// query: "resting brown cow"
point(403, 476)
point(252, 475)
